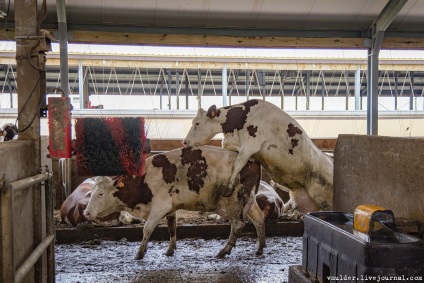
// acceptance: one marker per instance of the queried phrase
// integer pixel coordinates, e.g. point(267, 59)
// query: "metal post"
point(322, 90)
point(308, 88)
point(177, 87)
point(358, 88)
point(81, 84)
point(411, 94)
point(31, 81)
point(162, 76)
point(396, 89)
point(224, 85)
point(199, 88)
point(7, 264)
point(247, 84)
point(169, 87)
point(346, 75)
point(186, 88)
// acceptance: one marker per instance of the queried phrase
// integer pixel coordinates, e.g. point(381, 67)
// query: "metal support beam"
point(9, 84)
point(308, 88)
point(374, 44)
point(63, 37)
point(396, 89)
point(358, 88)
point(169, 87)
point(322, 90)
point(224, 85)
point(411, 93)
point(388, 14)
point(83, 86)
point(186, 88)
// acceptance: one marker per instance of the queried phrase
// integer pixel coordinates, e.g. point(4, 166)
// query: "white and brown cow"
point(261, 130)
point(269, 201)
point(72, 209)
point(190, 178)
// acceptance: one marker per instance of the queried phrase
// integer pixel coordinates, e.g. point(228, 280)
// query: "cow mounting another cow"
point(260, 130)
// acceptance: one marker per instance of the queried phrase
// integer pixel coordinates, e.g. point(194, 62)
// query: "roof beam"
point(388, 14)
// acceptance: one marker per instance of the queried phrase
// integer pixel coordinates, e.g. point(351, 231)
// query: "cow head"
point(102, 202)
point(204, 127)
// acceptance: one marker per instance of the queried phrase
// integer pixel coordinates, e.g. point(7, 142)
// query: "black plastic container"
point(332, 252)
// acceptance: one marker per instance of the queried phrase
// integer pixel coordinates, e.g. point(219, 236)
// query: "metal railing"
point(10, 272)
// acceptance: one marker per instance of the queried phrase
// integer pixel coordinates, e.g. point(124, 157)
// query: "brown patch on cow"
point(292, 130)
point(236, 116)
point(250, 176)
point(169, 170)
point(135, 191)
point(263, 202)
point(197, 167)
point(252, 130)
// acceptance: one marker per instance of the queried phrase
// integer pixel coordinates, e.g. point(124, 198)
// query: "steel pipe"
point(32, 259)
point(28, 182)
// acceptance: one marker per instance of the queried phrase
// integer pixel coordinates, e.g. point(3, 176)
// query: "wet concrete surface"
point(103, 261)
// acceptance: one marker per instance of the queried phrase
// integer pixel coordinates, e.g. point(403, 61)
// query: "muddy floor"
point(194, 261)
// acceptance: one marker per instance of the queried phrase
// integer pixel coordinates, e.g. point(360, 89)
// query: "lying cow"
point(186, 178)
point(269, 201)
point(72, 209)
point(261, 130)
point(9, 132)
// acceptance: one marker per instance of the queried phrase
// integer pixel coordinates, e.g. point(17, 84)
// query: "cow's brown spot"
point(292, 130)
point(134, 191)
point(294, 142)
point(169, 170)
point(249, 178)
point(252, 130)
point(236, 116)
point(197, 166)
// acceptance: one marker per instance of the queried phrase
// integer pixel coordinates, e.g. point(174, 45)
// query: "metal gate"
point(43, 217)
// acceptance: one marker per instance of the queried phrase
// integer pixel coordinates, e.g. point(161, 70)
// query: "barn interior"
point(369, 169)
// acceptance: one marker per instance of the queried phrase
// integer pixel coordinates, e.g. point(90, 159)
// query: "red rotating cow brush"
point(110, 146)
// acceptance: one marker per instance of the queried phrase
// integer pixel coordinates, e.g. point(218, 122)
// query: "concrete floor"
point(102, 261)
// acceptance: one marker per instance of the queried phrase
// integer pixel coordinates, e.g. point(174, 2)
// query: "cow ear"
point(211, 112)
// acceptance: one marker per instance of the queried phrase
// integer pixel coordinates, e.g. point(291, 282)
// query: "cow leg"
point(236, 228)
point(241, 160)
point(172, 228)
point(150, 225)
point(258, 219)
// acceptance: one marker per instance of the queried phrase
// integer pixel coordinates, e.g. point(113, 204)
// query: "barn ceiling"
point(248, 23)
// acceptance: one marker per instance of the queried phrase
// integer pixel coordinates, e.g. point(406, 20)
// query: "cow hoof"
point(259, 252)
point(221, 254)
point(139, 256)
point(169, 253)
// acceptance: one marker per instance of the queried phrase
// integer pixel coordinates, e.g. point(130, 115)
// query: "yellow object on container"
point(362, 219)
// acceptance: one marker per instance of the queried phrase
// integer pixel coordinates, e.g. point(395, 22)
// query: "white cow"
point(186, 178)
point(263, 131)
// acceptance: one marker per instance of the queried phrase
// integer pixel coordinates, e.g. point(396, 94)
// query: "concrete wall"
point(15, 166)
point(386, 171)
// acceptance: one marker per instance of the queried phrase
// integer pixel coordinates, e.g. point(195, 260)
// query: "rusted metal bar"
point(28, 182)
point(49, 197)
point(7, 255)
point(32, 259)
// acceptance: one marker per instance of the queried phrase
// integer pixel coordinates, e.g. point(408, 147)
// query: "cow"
point(190, 178)
point(269, 201)
point(72, 209)
point(260, 130)
point(9, 132)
